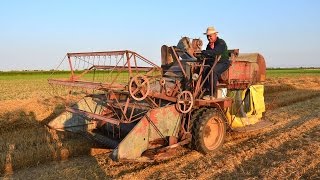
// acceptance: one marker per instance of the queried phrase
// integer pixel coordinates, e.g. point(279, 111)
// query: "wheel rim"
point(213, 133)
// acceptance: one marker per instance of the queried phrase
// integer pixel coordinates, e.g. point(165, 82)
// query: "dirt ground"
point(288, 149)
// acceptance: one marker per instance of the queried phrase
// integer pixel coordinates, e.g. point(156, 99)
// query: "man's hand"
point(199, 55)
point(207, 53)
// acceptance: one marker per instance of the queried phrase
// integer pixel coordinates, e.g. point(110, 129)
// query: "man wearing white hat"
point(215, 47)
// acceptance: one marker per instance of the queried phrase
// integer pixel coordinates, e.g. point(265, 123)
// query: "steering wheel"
point(184, 102)
point(139, 87)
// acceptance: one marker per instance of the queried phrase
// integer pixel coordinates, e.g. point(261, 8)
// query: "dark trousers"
point(220, 67)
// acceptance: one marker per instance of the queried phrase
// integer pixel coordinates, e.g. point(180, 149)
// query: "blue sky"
point(37, 34)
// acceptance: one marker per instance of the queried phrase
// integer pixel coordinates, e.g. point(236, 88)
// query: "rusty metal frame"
point(115, 89)
point(129, 66)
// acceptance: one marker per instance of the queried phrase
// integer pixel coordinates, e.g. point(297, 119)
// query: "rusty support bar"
point(197, 88)
point(71, 68)
point(139, 68)
point(132, 111)
point(119, 105)
point(223, 102)
point(126, 106)
point(93, 116)
point(104, 53)
point(211, 71)
point(162, 96)
point(147, 61)
point(83, 73)
point(212, 84)
point(135, 64)
point(86, 84)
point(179, 62)
point(123, 67)
point(129, 64)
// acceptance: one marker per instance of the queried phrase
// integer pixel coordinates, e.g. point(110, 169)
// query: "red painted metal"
point(222, 102)
point(245, 70)
point(93, 116)
point(141, 104)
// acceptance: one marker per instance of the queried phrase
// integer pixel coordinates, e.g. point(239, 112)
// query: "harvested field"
point(289, 149)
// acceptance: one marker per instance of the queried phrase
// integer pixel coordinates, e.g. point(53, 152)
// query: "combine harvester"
point(135, 107)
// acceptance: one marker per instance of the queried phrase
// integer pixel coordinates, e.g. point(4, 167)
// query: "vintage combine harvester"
point(135, 107)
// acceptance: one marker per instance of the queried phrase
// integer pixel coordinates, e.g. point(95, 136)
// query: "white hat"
point(210, 30)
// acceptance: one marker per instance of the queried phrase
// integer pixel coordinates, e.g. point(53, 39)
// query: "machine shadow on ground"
point(26, 142)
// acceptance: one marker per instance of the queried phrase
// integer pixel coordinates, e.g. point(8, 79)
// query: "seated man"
point(215, 47)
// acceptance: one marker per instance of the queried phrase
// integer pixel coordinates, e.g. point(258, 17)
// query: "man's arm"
point(219, 48)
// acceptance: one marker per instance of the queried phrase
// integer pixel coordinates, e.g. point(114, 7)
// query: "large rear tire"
point(195, 115)
point(208, 131)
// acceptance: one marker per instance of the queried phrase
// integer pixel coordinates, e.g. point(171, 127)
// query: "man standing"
point(216, 47)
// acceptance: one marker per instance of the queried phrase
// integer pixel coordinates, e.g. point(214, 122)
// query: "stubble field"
point(290, 148)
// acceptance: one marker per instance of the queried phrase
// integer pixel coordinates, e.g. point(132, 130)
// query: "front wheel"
point(208, 131)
